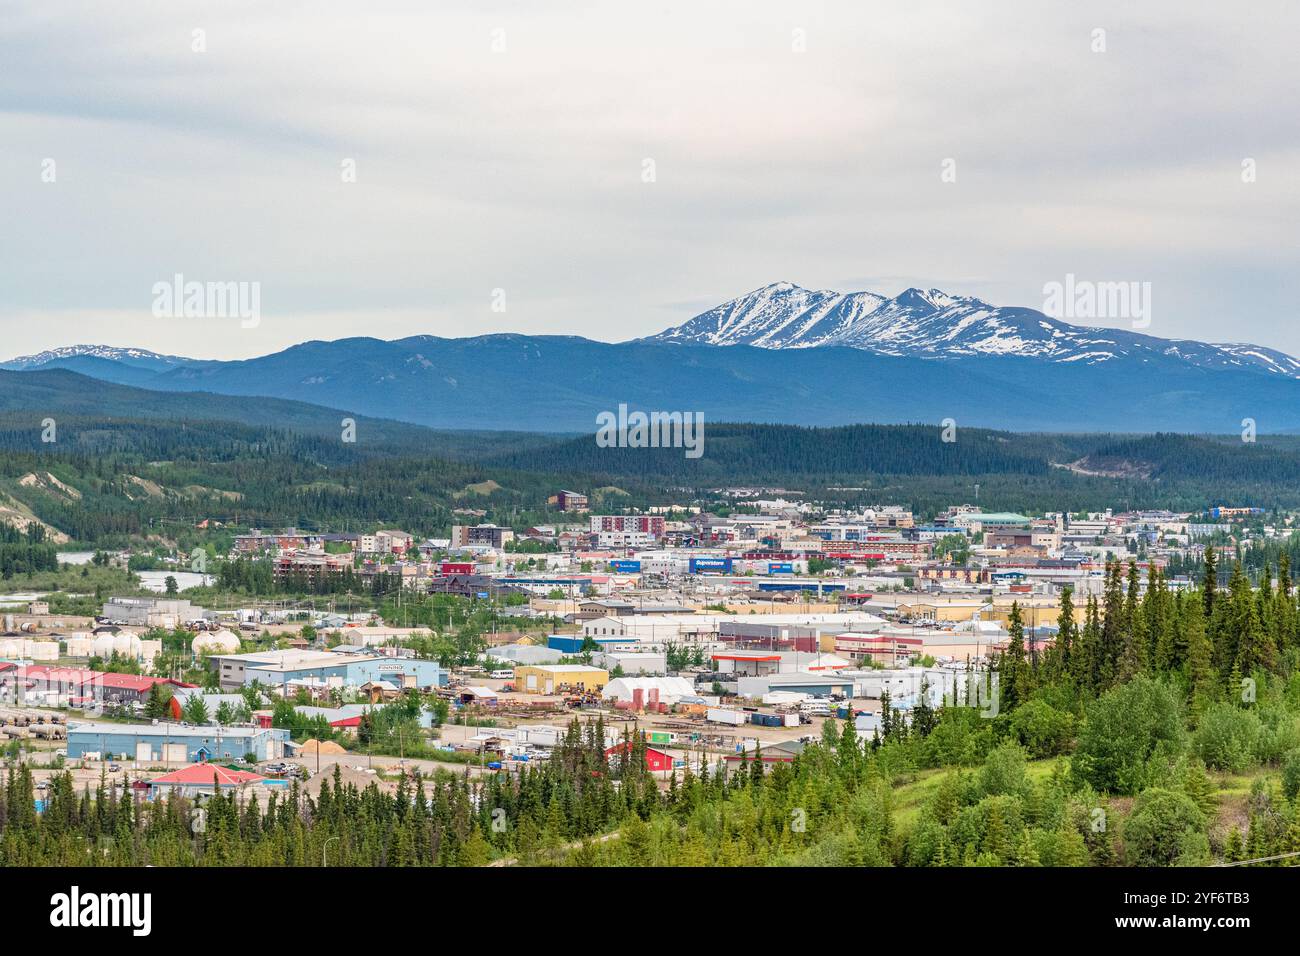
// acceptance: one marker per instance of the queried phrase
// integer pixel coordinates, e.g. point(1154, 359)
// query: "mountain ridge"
point(934, 324)
point(780, 355)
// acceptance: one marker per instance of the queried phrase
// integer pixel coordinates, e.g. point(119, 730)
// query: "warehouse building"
point(559, 678)
point(815, 685)
point(281, 668)
point(169, 613)
point(575, 643)
point(525, 654)
point(172, 743)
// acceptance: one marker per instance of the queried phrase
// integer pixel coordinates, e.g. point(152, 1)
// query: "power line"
point(1262, 859)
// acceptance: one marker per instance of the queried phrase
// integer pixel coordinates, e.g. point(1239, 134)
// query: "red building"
point(652, 525)
point(85, 685)
point(655, 760)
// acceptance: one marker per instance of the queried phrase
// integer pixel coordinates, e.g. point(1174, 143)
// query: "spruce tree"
point(1210, 580)
point(1013, 671)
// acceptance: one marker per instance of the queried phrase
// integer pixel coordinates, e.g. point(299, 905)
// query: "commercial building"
point(312, 566)
point(559, 678)
point(490, 535)
point(201, 778)
point(571, 501)
point(652, 525)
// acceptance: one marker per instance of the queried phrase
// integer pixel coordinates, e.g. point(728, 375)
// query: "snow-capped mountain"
point(934, 324)
point(139, 358)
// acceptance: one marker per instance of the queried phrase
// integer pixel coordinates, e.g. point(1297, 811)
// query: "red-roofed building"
point(656, 761)
point(86, 684)
point(199, 778)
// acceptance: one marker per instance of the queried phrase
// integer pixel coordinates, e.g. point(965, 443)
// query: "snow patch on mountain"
point(935, 324)
point(128, 356)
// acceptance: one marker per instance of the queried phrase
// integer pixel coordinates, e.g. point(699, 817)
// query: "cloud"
point(522, 169)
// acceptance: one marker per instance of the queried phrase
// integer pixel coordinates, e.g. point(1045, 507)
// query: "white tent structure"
point(671, 689)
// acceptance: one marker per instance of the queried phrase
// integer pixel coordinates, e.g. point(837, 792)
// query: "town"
point(691, 643)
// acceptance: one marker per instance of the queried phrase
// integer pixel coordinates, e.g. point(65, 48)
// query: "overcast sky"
point(790, 141)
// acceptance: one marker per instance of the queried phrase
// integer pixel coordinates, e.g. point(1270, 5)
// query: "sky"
point(609, 169)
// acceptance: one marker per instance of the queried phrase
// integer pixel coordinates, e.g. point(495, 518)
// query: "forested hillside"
point(115, 463)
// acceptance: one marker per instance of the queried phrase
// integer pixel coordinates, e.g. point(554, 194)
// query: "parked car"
point(114, 768)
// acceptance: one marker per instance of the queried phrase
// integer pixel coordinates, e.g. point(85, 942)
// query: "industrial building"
point(525, 654)
point(64, 686)
point(633, 663)
point(576, 643)
point(656, 761)
point(169, 613)
point(281, 668)
point(557, 678)
point(815, 685)
point(172, 743)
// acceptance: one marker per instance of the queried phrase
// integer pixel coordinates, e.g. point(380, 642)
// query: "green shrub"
point(1226, 738)
point(1004, 772)
point(1279, 733)
point(1163, 829)
point(1042, 729)
point(1124, 731)
point(1291, 774)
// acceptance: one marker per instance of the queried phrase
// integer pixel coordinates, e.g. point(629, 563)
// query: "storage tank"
point(80, 645)
point(215, 642)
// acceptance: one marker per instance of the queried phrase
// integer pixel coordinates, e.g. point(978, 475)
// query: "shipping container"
point(722, 715)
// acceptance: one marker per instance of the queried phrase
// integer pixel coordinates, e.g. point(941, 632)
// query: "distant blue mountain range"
point(780, 354)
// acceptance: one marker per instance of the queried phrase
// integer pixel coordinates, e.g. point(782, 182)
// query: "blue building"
point(279, 668)
point(570, 644)
point(402, 672)
point(150, 743)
